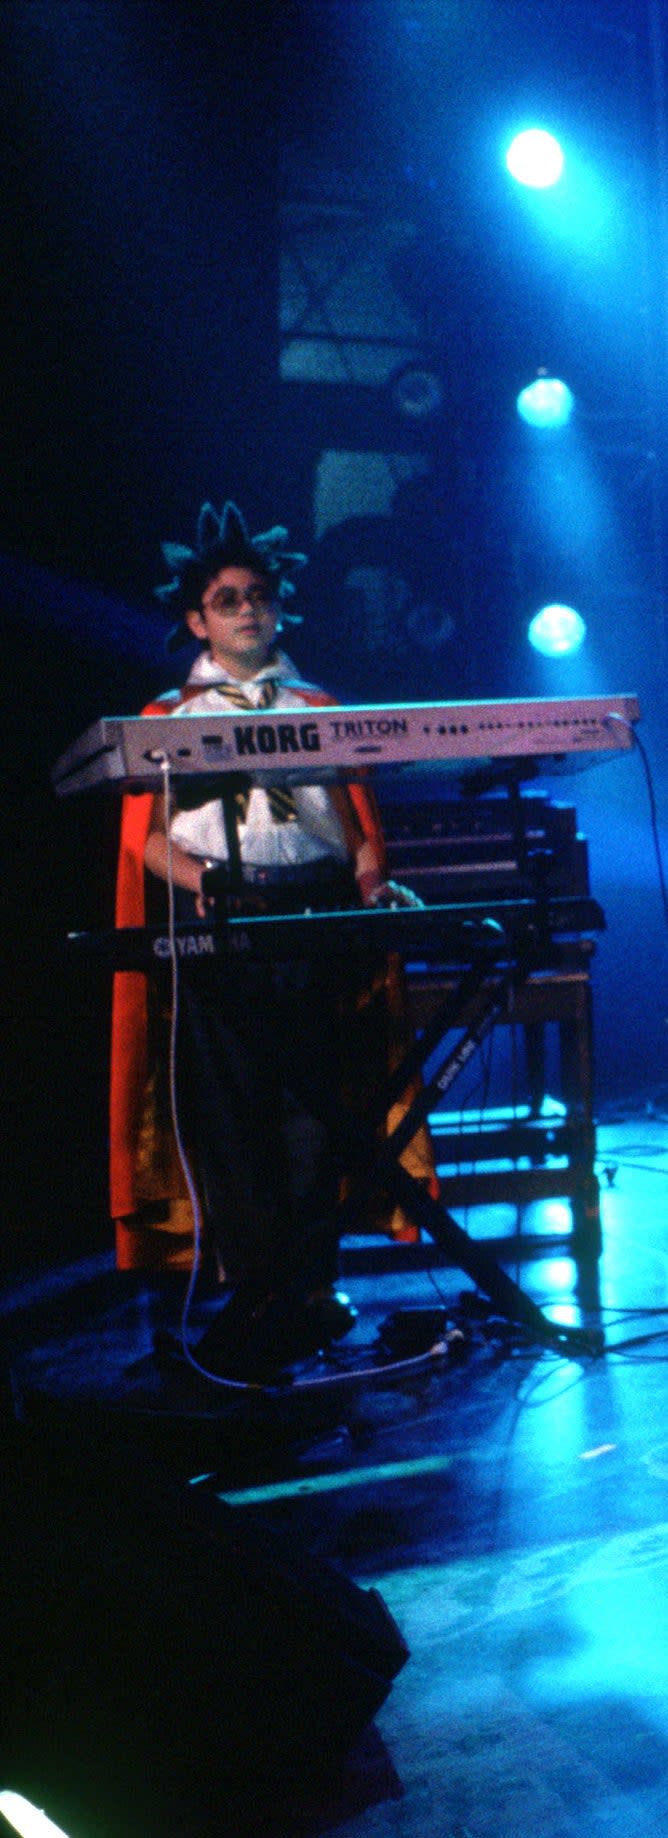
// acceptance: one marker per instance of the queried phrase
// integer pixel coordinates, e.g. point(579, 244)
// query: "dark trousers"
point(259, 1078)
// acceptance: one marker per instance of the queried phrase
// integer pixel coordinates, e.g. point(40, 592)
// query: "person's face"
point(237, 619)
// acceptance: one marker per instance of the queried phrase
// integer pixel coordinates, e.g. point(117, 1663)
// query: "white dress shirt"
point(316, 832)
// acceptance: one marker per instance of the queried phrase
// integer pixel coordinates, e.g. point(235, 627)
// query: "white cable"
point(231, 1384)
point(416, 1362)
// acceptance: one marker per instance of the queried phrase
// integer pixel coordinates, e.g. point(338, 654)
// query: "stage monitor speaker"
point(163, 1648)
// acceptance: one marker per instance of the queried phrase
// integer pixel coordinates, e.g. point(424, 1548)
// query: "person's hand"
point(391, 893)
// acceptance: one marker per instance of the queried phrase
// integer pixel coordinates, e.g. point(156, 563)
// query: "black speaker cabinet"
point(160, 1648)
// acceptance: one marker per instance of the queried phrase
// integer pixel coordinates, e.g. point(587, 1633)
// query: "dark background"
point(229, 235)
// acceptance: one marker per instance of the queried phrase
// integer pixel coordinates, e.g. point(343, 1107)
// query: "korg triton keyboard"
point(311, 745)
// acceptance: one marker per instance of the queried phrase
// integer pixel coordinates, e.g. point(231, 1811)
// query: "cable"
point(416, 1362)
point(637, 742)
point(230, 1384)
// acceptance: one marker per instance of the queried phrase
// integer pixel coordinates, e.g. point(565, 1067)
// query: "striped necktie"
point(281, 803)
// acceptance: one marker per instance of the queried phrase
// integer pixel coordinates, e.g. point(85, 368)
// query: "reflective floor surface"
point(507, 1496)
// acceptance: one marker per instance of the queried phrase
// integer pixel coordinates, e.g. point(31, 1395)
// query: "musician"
point(260, 1046)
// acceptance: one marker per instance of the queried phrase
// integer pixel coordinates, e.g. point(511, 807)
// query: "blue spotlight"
point(557, 631)
point(535, 158)
point(546, 403)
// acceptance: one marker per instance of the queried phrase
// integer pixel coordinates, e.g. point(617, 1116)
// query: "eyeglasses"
point(230, 599)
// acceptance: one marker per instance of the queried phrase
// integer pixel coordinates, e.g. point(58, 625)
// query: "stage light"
point(546, 403)
point(535, 158)
point(557, 631)
point(25, 1818)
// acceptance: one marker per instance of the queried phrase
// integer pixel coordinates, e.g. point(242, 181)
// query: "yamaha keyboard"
point(446, 934)
point(314, 745)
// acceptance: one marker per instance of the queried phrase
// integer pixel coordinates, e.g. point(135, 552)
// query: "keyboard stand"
point(479, 998)
point(534, 1149)
point(481, 992)
point(560, 992)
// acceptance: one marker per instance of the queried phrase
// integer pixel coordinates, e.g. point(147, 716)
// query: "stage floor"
point(508, 1498)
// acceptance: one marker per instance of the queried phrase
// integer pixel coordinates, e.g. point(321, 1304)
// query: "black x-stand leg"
point(484, 984)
